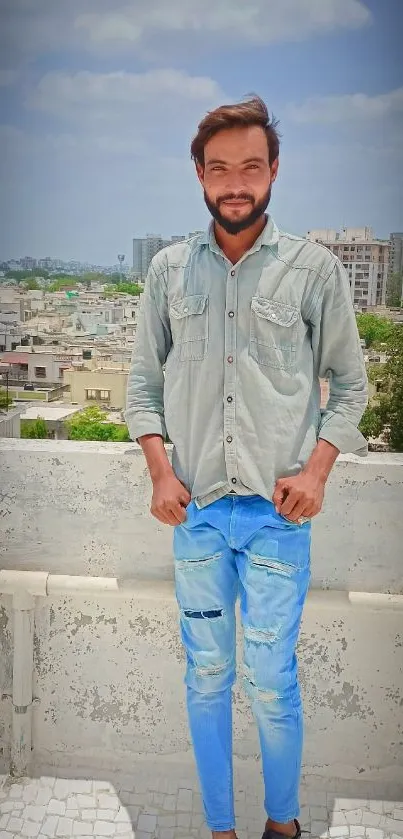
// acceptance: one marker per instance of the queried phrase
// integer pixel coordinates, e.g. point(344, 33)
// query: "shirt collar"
point(268, 237)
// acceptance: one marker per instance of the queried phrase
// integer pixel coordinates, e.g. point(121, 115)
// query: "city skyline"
point(98, 110)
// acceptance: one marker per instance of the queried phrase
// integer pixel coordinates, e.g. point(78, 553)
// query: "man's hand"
point(300, 496)
point(169, 500)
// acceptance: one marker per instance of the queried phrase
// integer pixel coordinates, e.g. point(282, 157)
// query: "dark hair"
point(251, 112)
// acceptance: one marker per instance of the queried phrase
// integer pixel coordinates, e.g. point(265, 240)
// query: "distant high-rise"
point(145, 249)
point(396, 258)
point(365, 258)
point(396, 253)
point(143, 252)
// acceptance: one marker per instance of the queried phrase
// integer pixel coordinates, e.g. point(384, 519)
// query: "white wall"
point(108, 674)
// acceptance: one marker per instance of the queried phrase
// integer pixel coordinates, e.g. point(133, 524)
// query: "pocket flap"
point(193, 304)
point(276, 312)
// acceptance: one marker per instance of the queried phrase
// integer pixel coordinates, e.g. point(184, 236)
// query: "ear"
point(274, 170)
point(200, 173)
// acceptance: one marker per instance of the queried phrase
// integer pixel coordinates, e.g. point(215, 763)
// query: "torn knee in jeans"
point(259, 693)
point(260, 636)
point(208, 614)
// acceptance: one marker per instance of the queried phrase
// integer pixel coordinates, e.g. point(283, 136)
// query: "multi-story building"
point(105, 387)
point(145, 249)
point(365, 258)
point(396, 257)
point(396, 253)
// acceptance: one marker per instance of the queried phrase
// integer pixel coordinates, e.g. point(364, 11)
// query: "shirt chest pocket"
point(189, 327)
point(273, 333)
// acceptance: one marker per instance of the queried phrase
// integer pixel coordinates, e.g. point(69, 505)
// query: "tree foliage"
point(5, 401)
point(394, 290)
point(373, 329)
point(124, 288)
point(90, 424)
point(34, 429)
point(386, 415)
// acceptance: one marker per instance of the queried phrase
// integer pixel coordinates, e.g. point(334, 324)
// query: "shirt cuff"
point(342, 434)
point(140, 423)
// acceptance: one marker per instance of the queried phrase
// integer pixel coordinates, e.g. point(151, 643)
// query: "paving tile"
point(185, 800)
point(30, 829)
point(64, 827)
point(81, 828)
point(147, 823)
point(49, 826)
point(108, 802)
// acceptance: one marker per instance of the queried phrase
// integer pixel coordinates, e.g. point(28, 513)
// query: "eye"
point(217, 168)
point(252, 166)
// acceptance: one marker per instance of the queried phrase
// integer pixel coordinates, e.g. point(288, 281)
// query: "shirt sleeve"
point(145, 388)
point(338, 357)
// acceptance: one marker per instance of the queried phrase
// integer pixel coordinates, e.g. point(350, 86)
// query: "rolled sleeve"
point(145, 388)
point(338, 357)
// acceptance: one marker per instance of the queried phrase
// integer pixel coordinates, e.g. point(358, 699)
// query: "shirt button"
point(229, 439)
point(233, 480)
point(230, 359)
point(186, 309)
point(230, 314)
point(232, 273)
point(229, 398)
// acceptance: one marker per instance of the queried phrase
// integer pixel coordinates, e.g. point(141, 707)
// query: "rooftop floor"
point(152, 804)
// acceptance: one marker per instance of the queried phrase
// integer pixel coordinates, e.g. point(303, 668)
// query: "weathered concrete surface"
point(83, 508)
point(108, 674)
point(109, 680)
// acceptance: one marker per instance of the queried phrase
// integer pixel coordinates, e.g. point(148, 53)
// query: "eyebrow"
point(215, 161)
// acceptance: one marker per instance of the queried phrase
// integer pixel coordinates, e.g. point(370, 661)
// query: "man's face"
point(237, 177)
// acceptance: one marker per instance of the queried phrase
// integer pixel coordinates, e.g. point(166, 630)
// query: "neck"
point(234, 247)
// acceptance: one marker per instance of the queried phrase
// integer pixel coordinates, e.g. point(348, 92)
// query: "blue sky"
point(99, 100)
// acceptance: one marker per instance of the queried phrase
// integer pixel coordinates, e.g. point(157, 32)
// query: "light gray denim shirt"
point(243, 347)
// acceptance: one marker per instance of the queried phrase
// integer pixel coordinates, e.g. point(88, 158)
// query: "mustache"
point(230, 196)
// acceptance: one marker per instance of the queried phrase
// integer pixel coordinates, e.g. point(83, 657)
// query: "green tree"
point(5, 401)
point(371, 424)
point(392, 403)
point(62, 281)
point(30, 285)
point(26, 274)
point(34, 429)
point(90, 424)
point(373, 329)
point(386, 415)
point(124, 288)
point(394, 290)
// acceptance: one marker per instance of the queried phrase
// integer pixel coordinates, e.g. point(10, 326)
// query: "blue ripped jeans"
point(240, 545)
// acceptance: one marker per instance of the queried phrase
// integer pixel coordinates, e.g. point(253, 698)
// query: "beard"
point(235, 227)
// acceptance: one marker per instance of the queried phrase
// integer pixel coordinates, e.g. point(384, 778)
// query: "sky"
point(99, 101)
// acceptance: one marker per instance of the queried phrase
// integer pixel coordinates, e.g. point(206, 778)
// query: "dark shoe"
point(275, 834)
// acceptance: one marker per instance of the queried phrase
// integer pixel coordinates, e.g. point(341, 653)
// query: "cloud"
point(257, 22)
point(45, 26)
point(123, 113)
point(355, 107)
point(70, 95)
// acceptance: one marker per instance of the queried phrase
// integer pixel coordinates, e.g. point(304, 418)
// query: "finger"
point(278, 495)
point(298, 511)
point(160, 515)
point(292, 499)
point(177, 511)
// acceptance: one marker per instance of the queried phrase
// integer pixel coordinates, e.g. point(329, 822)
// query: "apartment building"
point(105, 387)
point(365, 258)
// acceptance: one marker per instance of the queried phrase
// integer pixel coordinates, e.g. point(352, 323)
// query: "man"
point(245, 319)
